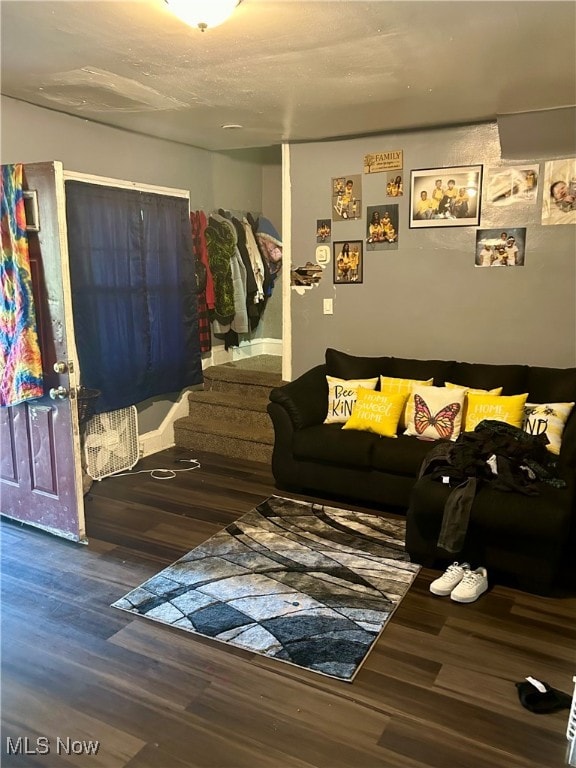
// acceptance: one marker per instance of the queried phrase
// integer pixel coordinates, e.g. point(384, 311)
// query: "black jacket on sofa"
point(382, 472)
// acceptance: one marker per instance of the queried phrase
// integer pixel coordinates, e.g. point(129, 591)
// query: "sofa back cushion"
point(345, 366)
point(407, 368)
point(512, 378)
point(547, 385)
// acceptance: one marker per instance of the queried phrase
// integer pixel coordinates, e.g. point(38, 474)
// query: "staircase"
point(229, 415)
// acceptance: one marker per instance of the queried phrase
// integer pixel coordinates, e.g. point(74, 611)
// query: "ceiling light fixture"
point(203, 13)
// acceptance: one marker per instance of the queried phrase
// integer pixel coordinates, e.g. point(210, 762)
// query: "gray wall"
point(232, 180)
point(426, 299)
point(33, 134)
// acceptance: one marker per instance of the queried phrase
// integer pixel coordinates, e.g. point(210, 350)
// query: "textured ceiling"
point(290, 70)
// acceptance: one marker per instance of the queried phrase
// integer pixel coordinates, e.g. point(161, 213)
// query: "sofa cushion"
point(330, 444)
point(406, 368)
point(545, 515)
point(403, 456)
point(345, 366)
point(551, 385)
point(512, 378)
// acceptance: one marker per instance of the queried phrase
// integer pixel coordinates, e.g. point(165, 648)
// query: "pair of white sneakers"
point(460, 582)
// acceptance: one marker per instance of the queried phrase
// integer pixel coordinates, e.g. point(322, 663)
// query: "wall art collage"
point(438, 198)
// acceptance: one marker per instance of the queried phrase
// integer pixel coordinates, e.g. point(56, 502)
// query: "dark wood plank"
point(437, 690)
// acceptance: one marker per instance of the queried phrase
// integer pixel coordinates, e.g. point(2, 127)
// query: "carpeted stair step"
point(225, 438)
point(228, 378)
point(229, 415)
point(248, 408)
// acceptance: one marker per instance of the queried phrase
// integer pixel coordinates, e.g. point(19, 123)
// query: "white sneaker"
point(451, 577)
point(471, 587)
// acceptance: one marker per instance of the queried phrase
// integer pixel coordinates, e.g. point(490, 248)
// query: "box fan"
point(111, 442)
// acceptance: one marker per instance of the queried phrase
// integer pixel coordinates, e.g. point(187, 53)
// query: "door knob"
point(59, 393)
point(60, 367)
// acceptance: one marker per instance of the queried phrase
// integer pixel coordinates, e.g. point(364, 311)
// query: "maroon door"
point(40, 466)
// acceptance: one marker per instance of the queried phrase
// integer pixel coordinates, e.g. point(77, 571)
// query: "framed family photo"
point(348, 262)
point(445, 197)
point(502, 247)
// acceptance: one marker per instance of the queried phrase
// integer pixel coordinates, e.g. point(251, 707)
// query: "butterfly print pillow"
point(437, 413)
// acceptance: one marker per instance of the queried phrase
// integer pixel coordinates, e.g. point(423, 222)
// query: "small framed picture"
point(348, 262)
point(323, 230)
point(347, 197)
point(559, 198)
point(382, 227)
point(503, 247)
point(445, 197)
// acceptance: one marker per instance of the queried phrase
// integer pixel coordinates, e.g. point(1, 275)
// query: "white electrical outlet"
point(328, 307)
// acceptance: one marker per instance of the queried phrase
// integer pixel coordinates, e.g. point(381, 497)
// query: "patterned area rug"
point(303, 583)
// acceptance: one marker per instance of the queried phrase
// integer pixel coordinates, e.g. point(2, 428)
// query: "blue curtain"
point(133, 293)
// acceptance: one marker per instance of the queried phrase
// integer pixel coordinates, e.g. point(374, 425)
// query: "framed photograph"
point(394, 185)
point(323, 230)
point(503, 247)
point(514, 185)
point(445, 197)
point(559, 197)
point(347, 197)
point(348, 262)
point(382, 227)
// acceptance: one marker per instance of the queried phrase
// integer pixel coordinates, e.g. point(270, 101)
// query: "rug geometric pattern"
point(303, 583)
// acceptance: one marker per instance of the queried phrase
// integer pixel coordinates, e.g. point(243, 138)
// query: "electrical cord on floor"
point(168, 474)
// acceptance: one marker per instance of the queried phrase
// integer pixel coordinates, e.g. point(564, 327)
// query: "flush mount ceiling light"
point(203, 13)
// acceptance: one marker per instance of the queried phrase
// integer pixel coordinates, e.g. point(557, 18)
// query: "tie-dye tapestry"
point(20, 360)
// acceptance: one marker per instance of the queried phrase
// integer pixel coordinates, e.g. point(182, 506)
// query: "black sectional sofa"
point(526, 541)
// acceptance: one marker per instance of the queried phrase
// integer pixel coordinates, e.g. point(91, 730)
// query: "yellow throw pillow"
point(376, 412)
point(342, 396)
point(495, 391)
point(437, 413)
point(549, 418)
point(509, 409)
point(390, 385)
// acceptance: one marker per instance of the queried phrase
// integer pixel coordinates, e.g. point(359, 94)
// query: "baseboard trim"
point(251, 348)
point(163, 437)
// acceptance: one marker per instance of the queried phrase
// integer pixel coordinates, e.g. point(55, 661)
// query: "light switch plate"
point(328, 307)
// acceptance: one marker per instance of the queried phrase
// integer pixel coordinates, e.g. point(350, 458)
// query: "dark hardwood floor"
point(437, 691)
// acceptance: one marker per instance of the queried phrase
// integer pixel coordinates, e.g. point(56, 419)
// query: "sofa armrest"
point(305, 399)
